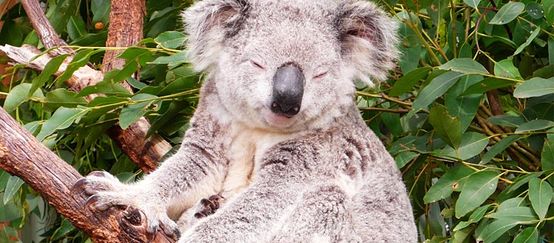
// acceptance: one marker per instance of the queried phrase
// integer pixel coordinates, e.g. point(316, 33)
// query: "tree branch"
point(44, 29)
point(24, 156)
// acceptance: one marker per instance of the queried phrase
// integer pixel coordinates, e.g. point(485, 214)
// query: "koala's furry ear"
point(368, 39)
point(207, 24)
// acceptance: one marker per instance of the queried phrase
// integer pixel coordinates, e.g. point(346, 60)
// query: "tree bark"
point(125, 29)
point(24, 156)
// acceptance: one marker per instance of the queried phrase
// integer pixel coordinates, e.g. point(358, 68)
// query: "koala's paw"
point(208, 206)
point(105, 191)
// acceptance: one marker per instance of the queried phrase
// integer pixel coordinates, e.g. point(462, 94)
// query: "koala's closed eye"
point(320, 75)
point(256, 64)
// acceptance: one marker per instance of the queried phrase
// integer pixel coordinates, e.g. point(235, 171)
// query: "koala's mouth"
point(277, 120)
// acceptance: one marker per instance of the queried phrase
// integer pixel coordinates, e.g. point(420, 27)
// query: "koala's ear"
point(368, 39)
point(207, 24)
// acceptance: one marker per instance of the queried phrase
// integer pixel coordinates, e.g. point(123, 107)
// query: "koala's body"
point(277, 133)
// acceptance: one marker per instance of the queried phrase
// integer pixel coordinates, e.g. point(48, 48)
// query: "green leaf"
point(106, 88)
point(100, 11)
point(506, 68)
point(535, 87)
point(528, 235)
point(499, 148)
point(12, 187)
point(404, 158)
point(437, 87)
point(134, 112)
point(446, 126)
point(507, 120)
point(171, 39)
point(407, 82)
point(139, 55)
point(513, 188)
point(507, 13)
point(80, 59)
point(472, 144)
point(547, 155)
point(64, 97)
point(19, 95)
point(465, 66)
point(486, 85)
point(534, 10)
point(444, 187)
point(32, 127)
point(50, 69)
point(61, 119)
point(76, 27)
point(516, 213)
point(63, 230)
point(530, 39)
point(472, 3)
point(551, 43)
point(540, 195)
point(548, 6)
point(475, 217)
point(476, 189)
point(534, 125)
point(496, 229)
point(173, 60)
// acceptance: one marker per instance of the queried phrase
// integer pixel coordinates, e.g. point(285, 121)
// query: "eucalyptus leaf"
point(444, 187)
point(528, 235)
point(437, 87)
point(465, 66)
point(19, 95)
point(507, 13)
point(535, 125)
point(476, 189)
point(535, 87)
point(12, 187)
point(61, 119)
point(540, 195)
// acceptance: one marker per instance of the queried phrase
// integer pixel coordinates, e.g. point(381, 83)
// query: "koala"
point(277, 150)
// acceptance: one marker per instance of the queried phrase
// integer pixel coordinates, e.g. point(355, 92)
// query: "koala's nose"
point(288, 89)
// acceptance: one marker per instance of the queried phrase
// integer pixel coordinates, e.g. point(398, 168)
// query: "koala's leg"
point(194, 172)
point(381, 210)
point(321, 215)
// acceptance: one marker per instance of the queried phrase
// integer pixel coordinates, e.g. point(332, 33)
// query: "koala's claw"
point(209, 206)
point(164, 223)
point(105, 191)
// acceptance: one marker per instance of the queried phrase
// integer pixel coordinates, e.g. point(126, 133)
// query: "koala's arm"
point(378, 211)
point(196, 167)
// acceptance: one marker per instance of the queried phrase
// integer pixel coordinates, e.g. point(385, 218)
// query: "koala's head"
point(289, 64)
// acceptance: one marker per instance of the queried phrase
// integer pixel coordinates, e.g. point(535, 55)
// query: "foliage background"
point(468, 114)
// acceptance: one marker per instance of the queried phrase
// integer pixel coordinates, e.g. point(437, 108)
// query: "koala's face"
point(289, 65)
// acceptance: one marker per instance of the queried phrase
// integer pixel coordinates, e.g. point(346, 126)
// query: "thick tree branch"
point(125, 29)
point(47, 34)
point(126, 21)
point(24, 156)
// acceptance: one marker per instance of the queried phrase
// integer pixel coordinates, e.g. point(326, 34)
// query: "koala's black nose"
point(288, 89)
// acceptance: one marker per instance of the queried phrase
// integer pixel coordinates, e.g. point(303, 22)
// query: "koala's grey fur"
point(319, 176)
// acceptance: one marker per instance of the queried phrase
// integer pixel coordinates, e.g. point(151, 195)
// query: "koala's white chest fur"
point(245, 150)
